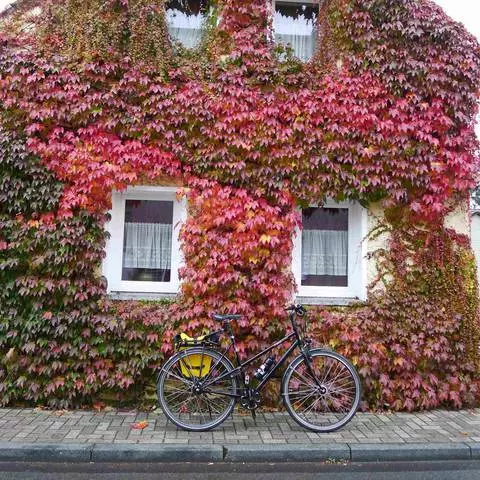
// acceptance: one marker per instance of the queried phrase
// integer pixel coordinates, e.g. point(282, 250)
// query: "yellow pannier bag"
point(197, 365)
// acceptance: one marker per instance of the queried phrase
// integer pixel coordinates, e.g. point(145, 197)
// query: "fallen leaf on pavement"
point(98, 406)
point(59, 413)
point(140, 425)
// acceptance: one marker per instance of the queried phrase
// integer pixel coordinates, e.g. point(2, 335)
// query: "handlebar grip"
point(298, 309)
point(301, 310)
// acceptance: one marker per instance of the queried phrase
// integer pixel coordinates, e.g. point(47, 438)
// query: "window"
point(185, 20)
point(295, 24)
point(143, 249)
point(325, 247)
point(147, 240)
point(328, 257)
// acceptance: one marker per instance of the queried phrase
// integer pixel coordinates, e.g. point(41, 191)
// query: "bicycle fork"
point(308, 362)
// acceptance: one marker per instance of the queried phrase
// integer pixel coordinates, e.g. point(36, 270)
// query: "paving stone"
point(433, 427)
point(88, 429)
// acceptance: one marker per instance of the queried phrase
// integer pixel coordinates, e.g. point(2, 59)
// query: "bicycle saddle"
point(226, 318)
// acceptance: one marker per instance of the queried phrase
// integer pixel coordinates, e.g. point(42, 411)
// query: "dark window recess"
point(296, 10)
point(185, 20)
point(295, 24)
point(325, 247)
point(147, 240)
point(190, 7)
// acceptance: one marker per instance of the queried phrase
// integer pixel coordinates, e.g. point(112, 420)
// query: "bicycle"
point(199, 386)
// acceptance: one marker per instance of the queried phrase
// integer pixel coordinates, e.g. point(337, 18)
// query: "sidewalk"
point(110, 436)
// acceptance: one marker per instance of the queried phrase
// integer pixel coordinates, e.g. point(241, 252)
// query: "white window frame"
point(293, 1)
point(357, 263)
point(113, 262)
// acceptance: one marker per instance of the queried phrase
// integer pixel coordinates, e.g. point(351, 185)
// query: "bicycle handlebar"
point(300, 310)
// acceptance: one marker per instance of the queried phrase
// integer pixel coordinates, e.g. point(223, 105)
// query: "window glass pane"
point(185, 20)
point(295, 24)
point(325, 247)
point(147, 242)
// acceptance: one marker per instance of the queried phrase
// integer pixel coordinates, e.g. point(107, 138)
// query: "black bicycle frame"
point(239, 370)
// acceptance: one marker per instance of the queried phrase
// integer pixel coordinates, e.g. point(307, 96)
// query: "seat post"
point(227, 328)
point(231, 334)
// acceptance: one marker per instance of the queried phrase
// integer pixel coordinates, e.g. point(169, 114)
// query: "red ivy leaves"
point(251, 134)
point(108, 124)
point(92, 163)
point(237, 260)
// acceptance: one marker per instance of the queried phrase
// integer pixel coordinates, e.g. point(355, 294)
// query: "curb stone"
point(159, 453)
point(111, 452)
point(31, 452)
point(384, 452)
point(286, 453)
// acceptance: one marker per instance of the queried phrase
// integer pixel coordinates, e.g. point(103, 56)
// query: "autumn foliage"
point(416, 343)
point(253, 279)
point(61, 342)
point(384, 112)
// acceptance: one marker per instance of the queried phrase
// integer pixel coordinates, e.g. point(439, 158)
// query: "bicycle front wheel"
point(196, 390)
point(321, 393)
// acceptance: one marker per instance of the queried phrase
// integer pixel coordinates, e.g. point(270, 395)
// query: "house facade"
point(228, 156)
point(330, 255)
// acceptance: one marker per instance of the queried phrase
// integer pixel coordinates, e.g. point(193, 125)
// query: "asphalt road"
point(457, 470)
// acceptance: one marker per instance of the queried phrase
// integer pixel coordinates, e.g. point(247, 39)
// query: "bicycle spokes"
point(184, 393)
point(322, 392)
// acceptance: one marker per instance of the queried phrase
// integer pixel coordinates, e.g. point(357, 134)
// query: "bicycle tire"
point(175, 384)
point(341, 391)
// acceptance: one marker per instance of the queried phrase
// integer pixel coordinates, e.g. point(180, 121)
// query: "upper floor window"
point(185, 20)
point(295, 24)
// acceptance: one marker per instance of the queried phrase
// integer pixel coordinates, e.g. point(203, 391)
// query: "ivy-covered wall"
point(61, 342)
point(383, 113)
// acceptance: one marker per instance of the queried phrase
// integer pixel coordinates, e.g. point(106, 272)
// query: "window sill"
point(327, 301)
point(322, 301)
point(141, 296)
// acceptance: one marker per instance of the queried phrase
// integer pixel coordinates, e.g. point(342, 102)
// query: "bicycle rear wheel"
point(323, 393)
point(191, 393)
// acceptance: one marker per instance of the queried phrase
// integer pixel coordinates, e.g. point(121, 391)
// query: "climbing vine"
point(99, 98)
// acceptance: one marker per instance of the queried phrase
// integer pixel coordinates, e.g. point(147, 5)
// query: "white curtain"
point(185, 28)
point(147, 245)
point(298, 32)
point(324, 252)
